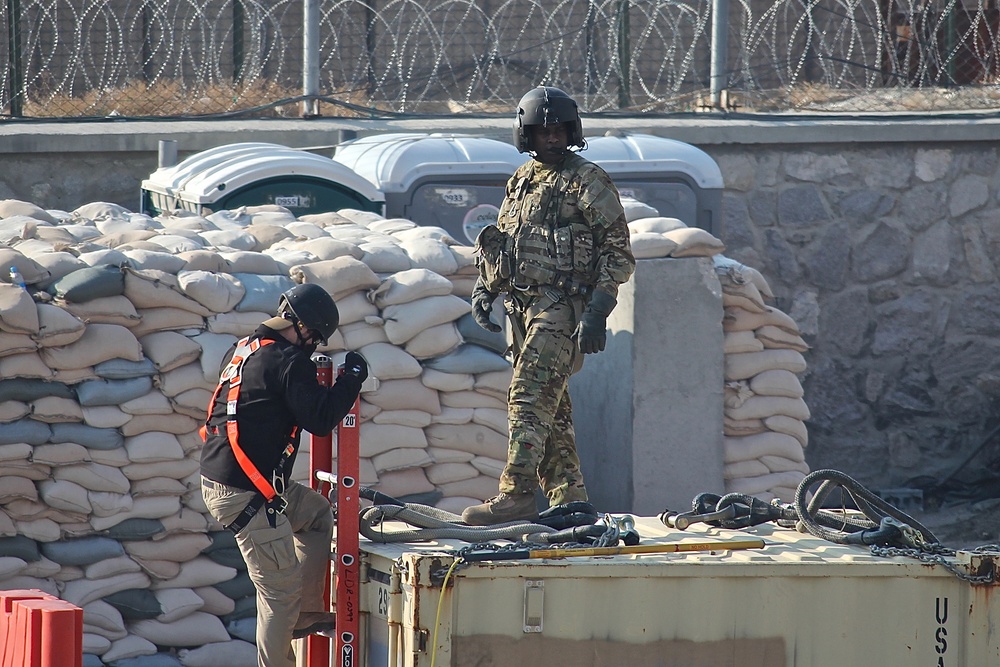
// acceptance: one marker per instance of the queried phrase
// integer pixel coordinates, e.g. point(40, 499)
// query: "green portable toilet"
point(255, 173)
point(452, 181)
point(677, 179)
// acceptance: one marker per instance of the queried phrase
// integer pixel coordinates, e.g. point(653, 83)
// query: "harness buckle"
point(278, 483)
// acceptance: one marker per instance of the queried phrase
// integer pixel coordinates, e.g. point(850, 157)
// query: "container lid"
point(396, 162)
point(648, 154)
point(205, 177)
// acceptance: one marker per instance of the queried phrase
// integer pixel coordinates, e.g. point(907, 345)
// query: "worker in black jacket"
point(267, 394)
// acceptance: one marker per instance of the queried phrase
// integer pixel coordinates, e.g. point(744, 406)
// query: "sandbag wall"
point(109, 357)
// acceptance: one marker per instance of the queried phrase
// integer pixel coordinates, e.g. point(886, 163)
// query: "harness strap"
point(233, 374)
point(248, 513)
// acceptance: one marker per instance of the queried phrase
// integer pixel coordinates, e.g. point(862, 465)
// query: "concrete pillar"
point(648, 410)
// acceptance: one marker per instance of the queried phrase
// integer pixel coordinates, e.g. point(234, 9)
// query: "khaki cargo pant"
point(287, 564)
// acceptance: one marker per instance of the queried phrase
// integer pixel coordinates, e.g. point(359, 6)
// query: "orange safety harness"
point(270, 490)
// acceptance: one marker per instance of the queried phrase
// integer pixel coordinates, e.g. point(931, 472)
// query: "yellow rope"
point(437, 618)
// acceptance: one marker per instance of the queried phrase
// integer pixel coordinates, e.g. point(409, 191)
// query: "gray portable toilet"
point(452, 181)
point(677, 179)
point(255, 173)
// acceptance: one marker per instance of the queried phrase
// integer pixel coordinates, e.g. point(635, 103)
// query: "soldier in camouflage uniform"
point(559, 252)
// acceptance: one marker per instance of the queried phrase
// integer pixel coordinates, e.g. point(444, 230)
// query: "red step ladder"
point(346, 565)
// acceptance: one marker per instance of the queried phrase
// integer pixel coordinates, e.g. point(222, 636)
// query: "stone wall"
point(886, 257)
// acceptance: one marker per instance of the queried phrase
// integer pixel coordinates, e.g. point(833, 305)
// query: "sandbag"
point(388, 362)
point(105, 310)
point(474, 438)
point(166, 319)
point(169, 350)
point(262, 292)
point(385, 257)
point(400, 458)
point(409, 285)
point(57, 326)
point(404, 321)
point(152, 288)
point(431, 254)
point(694, 242)
point(746, 365)
point(204, 260)
point(442, 381)
point(11, 343)
point(340, 276)
point(379, 438)
point(195, 629)
point(407, 482)
point(434, 341)
point(100, 342)
point(17, 310)
point(469, 359)
point(650, 245)
point(88, 283)
point(235, 653)
point(218, 292)
point(111, 392)
point(761, 407)
point(753, 447)
point(655, 225)
point(405, 394)
point(776, 382)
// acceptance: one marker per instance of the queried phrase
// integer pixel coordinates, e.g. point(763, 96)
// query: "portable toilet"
point(451, 181)
point(255, 173)
point(677, 179)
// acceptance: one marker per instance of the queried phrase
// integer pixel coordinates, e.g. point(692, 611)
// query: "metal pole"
point(167, 154)
point(310, 58)
point(720, 49)
point(624, 56)
point(15, 67)
point(239, 49)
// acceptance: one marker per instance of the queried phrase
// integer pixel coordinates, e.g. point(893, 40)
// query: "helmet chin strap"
point(306, 345)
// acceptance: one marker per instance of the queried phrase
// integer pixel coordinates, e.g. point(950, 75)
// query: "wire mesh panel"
point(174, 58)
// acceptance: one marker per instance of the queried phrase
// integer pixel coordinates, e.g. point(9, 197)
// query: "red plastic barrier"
point(10, 632)
point(51, 633)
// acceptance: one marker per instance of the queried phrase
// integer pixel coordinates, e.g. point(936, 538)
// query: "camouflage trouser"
point(542, 448)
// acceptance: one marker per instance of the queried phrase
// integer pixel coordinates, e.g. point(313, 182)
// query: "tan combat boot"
point(501, 509)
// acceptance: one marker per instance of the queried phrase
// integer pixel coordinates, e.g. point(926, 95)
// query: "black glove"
point(482, 306)
point(592, 332)
point(355, 364)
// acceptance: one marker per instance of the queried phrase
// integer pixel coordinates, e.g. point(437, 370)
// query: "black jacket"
point(279, 391)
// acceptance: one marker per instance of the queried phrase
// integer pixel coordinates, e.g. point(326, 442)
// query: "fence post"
point(310, 58)
point(624, 55)
point(720, 49)
point(15, 67)
point(239, 49)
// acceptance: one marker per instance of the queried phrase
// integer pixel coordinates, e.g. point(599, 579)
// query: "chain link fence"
point(378, 58)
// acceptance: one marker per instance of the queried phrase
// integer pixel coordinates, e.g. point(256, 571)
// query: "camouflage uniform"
point(567, 236)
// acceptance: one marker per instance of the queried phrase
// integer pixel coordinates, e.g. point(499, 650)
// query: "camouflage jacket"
point(566, 220)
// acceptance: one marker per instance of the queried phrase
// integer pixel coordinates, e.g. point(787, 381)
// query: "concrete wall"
point(880, 238)
point(648, 410)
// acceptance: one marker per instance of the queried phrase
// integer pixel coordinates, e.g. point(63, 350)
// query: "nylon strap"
point(233, 375)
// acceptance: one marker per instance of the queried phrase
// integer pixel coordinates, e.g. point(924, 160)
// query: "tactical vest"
point(552, 241)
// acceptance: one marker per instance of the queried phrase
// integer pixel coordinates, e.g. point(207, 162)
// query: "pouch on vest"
point(494, 259)
point(564, 249)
